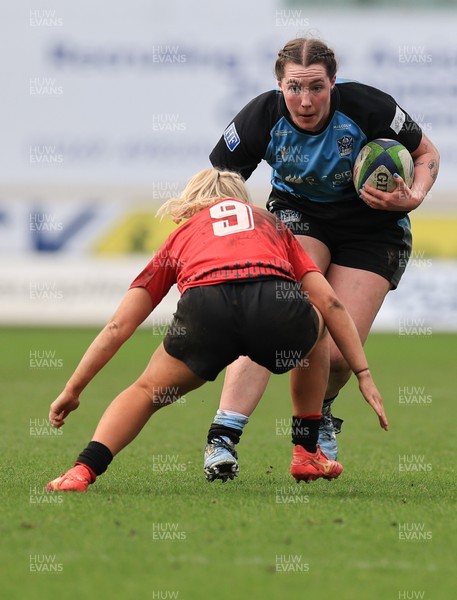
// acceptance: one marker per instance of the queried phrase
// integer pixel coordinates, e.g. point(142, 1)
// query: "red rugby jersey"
point(228, 241)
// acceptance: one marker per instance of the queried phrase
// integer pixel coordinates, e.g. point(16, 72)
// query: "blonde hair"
point(204, 189)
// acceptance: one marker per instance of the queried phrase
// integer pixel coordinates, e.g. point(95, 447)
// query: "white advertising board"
point(127, 93)
point(136, 91)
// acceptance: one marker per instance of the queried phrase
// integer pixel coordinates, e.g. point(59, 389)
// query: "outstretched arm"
point(344, 333)
point(132, 311)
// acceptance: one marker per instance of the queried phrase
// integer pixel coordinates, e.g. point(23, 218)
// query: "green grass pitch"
point(152, 527)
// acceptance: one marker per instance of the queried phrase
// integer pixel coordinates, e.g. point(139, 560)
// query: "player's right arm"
point(146, 291)
point(245, 140)
point(345, 335)
point(132, 311)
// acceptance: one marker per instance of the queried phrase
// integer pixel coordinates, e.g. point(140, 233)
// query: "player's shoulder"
point(252, 126)
point(263, 213)
point(269, 101)
point(366, 105)
point(355, 92)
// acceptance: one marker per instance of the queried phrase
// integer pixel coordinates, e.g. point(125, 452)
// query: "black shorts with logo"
point(356, 235)
point(269, 320)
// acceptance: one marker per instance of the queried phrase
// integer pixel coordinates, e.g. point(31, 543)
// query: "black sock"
point(305, 432)
point(97, 456)
point(217, 429)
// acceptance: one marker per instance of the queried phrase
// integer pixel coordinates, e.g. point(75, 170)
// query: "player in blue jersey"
point(310, 132)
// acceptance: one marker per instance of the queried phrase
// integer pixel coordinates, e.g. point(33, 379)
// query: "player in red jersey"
point(232, 262)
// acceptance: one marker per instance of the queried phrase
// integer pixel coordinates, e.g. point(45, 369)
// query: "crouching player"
point(229, 260)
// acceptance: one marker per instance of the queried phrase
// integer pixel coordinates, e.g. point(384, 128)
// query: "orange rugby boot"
point(308, 466)
point(76, 479)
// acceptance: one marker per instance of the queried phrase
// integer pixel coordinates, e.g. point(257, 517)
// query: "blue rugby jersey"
point(316, 166)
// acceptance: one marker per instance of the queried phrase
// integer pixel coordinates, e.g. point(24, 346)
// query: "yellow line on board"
point(137, 232)
point(141, 232)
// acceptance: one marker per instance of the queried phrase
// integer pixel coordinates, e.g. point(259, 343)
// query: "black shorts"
point(269, 320)
point(356, 235)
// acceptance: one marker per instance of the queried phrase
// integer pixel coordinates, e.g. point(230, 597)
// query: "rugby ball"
point(377, 162)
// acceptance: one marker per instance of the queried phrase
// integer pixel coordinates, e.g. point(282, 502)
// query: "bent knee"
point(339, 368)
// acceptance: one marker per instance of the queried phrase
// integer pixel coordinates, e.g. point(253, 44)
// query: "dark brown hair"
point(306, 52)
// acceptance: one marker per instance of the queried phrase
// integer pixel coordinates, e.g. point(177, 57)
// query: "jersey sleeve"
point(159, 274)
point(244, 142)
point(381, 117)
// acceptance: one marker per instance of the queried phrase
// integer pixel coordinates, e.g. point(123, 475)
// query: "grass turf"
point(152, 526)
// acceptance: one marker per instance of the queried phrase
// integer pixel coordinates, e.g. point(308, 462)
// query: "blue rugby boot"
point(220, 459)
point(328, 429)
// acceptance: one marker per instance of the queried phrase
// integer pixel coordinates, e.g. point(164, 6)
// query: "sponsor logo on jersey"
point(282, 131)
point(342, 178)
point(287, 215)
point(310, 180)
point(342, 126)
point(293, 179)
point(345, 145)
point(398, 120)
point(231, 137)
